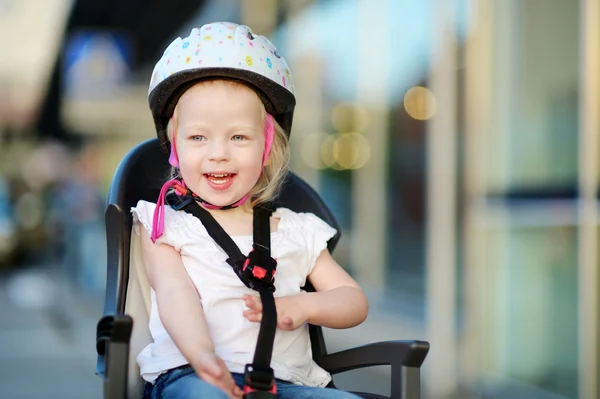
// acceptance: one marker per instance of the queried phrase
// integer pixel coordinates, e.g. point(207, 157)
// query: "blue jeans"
point(184, 383)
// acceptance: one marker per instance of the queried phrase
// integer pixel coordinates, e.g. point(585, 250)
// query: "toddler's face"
point(220, 140)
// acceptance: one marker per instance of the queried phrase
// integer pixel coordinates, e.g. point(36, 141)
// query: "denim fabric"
point(183, 383)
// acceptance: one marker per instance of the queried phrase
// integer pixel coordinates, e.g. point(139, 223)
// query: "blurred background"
point(455, 140)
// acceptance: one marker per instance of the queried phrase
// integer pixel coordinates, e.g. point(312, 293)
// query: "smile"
point(220, 181)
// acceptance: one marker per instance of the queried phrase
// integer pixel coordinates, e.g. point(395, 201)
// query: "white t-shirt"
point(298, 241)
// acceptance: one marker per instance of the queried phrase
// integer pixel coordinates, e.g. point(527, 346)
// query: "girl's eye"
point(198, 138)
point(238, 137)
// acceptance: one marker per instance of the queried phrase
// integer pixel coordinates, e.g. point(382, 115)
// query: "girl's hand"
point(291, 314)
point(212, 369)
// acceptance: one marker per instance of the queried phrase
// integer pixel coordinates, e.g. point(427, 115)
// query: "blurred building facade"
point(456, 142)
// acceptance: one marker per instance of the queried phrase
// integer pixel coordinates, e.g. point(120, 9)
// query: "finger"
point(226, 389)
point(248, 298)
point(232, 395)
point(249, 312)
point(251, 315)
point(220, 383)
point(231, 387)
point(254, 304)
point(237, 391)
point(248, 302)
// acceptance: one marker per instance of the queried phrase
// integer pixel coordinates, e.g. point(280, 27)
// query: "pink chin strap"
point(158, 221)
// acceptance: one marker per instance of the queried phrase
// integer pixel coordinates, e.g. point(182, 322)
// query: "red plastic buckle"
point(259, 272)
point(248, 389)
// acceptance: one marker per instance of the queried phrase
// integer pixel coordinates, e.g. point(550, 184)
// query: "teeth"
point(219, 178)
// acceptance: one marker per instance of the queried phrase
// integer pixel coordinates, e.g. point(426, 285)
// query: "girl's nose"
point(219, 151)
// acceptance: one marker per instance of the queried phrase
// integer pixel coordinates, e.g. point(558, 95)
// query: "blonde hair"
point(276, 166)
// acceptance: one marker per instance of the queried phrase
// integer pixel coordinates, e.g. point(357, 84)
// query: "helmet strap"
point(173, 158)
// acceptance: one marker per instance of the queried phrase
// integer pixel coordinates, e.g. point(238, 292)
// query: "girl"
point(226, 99)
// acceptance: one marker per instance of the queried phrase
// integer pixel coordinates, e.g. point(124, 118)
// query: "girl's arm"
point(339, 301)
point(178, 300)
point(182, 315)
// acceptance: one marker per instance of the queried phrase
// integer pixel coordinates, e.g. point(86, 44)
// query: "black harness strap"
point(256, 271)
point(236, 258)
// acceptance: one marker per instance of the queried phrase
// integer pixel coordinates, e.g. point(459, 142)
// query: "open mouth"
point(219, 178)
point(220, 181)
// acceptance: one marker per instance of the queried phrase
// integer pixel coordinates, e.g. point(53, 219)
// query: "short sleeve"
point(143, 214)
point(318, 233)
point(306, 236)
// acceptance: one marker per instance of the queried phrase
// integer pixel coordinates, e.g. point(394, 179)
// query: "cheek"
point(189, 164)
point(253, 161)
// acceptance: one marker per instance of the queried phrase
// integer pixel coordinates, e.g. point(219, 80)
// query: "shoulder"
point(306, 221)
point(143, 206)
point(144, 211)
point(147, 207)
point(179, 227)
point(306, 236)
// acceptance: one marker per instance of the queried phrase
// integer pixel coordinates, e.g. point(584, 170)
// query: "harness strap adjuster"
point(259, 379)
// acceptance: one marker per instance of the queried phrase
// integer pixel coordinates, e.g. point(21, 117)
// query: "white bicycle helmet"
point(222, 50)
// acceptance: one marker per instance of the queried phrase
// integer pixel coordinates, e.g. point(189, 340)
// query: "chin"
point(223, 198)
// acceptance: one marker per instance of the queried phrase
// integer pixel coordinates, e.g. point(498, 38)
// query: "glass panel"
point(530, 329)
point(407, 217)
point(534, 142)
